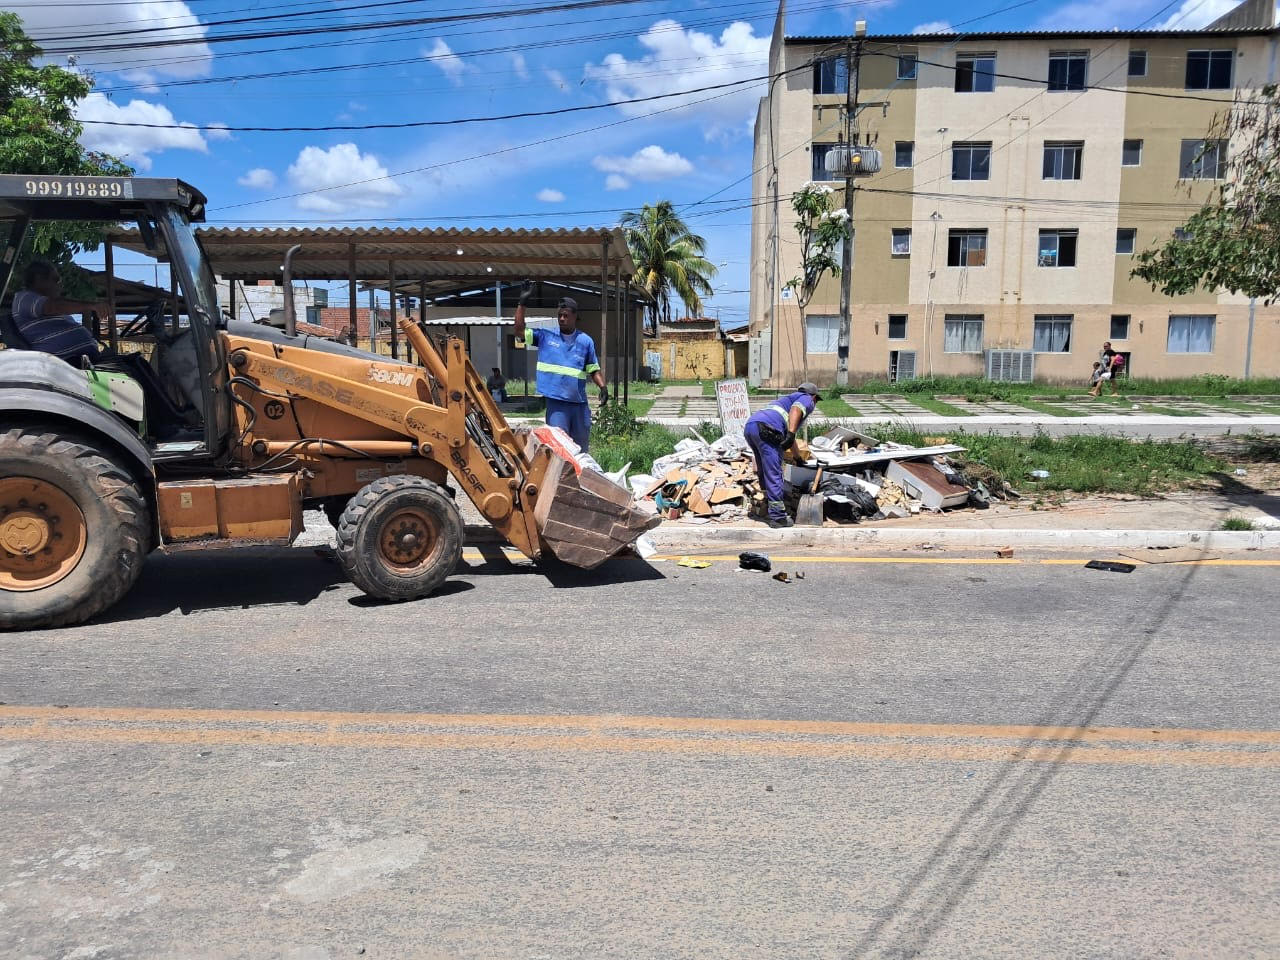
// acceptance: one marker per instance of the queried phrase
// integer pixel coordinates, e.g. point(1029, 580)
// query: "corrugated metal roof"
point(911, 39)
point(419, 254)
point(470, 322)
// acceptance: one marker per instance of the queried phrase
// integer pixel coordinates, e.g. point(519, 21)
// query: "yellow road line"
point(981, 561)
point(634, 734)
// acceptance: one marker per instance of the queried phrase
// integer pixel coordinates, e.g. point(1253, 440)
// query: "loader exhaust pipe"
point(290, 309)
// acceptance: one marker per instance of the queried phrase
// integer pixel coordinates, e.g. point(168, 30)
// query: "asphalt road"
point(948, 758)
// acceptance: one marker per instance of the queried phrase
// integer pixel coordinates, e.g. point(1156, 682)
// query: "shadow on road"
point(227, 579)
point(624, 569)
point(928, 897)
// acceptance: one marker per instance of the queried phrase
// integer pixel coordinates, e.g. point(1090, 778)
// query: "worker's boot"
point(778, 518)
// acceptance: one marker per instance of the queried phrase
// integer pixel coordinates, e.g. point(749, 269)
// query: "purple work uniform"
point(765, 433)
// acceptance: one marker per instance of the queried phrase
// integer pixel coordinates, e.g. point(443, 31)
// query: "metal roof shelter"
point(421, 261)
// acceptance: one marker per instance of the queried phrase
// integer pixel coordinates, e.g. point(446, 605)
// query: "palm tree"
point(669, 258)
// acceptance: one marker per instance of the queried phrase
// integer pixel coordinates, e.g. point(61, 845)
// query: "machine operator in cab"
point(566, 361)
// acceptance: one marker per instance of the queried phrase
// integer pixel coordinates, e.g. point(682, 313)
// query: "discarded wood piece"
point(1111, 566)
point(1171, 555)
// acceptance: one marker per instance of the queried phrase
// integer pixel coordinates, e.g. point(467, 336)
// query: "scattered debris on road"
point(1004, 553)
point(692, 563)
point(1170, 555)
point(749, 560)
point(1111, 566)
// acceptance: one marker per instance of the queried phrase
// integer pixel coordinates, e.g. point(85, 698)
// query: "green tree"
point(40, 134)
point(822, 227)
point(669, 259)
point(1233, 241)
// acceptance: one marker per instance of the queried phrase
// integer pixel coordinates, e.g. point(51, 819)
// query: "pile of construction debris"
point(842, 476)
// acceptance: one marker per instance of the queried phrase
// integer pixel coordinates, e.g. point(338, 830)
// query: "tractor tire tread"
point(115, 487)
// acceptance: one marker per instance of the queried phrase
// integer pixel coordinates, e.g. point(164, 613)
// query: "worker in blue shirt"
point(566, 361)
point(771, 431)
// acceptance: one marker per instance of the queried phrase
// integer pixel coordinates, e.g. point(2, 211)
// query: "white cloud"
point(1194, 14)
point(615, 182)
point(934, 26)
point(558, 81)
point(113, 22)
point(450, 63)
point(359, 180)
point(520, 66)
point(549, 195)
point(647, 163)
point(680, 59)
point(259, 178)
point(218, 131)
point(134, 144)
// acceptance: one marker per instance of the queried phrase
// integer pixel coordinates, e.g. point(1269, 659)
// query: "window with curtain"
point(1051, 333)
point(1191, 333)
point(821, 333)
point(900, 241)
point(962, 333)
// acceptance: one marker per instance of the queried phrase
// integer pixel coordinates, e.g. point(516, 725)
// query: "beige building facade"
point(1021, 174)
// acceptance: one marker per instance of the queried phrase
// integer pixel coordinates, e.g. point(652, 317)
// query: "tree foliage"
point(39, 133)
point(669, 259)
point(821, 228)
point(1233, 241)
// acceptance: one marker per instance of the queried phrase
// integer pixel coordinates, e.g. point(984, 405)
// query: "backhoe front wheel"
point(400, 538)
point(74, 529)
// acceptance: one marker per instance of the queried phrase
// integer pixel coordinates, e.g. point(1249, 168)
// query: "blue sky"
point(604, 161)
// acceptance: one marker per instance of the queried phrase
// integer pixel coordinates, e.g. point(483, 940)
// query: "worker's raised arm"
point(526, 292)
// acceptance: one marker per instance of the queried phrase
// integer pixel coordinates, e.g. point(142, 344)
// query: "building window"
point(1191, 333)
point(1137, 63)
point(1051, 333)
point(971, 161)
point(1067, 71)
point(1209, 69)
point(1063, 161)
point(907, 66)
point(1203, 160)
point(900, 245)
point(897, 326)
point(904, 152)
point(1132, 154)
point(820, 151)
point(1181, 234)
point(1058, 248)
point(962, 333)
point(830, 76)
point(821, 333)
point(1126, 238)
point(1119, 326)
point(967, 248)
point(975, 72)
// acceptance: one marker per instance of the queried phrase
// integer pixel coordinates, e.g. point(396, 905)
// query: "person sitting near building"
point(770, 432)
point(497, 386)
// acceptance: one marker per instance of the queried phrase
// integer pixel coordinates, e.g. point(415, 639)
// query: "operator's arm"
point(526, 291)
point(594, 371)
point(58, 306)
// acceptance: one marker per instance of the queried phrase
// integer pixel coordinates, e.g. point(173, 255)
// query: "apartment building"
point(1022, 172)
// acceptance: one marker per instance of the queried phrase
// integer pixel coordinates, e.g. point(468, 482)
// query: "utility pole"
point(852, 63)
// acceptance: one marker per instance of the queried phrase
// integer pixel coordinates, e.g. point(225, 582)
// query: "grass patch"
point(835, 407)
point(1237, 523)
point(640, 448)
point(1088, 464)
point(934, 405)
point(1052, 409)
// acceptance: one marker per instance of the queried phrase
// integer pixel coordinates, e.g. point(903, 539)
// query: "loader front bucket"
point(584, 518)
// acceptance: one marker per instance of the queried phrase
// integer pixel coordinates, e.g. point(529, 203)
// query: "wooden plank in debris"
point(832, 459)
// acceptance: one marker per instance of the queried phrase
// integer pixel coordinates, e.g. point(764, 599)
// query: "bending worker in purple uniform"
point(771, 431)
point(566, 360)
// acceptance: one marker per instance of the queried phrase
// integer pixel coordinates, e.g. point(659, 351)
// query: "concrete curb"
point(670, 538)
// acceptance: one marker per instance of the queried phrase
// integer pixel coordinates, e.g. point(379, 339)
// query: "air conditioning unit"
point(1011, 366)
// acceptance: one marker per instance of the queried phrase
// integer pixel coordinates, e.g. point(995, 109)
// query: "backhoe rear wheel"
point(74, 529)
point(400, 538)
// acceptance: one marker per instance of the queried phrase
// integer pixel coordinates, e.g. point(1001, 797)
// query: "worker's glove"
point(604, 396)
point(526, 293)
point(788, 440)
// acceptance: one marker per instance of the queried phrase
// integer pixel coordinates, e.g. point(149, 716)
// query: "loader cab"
point(172, 324)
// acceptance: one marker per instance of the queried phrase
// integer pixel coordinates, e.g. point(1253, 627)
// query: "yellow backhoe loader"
point(269, 423)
